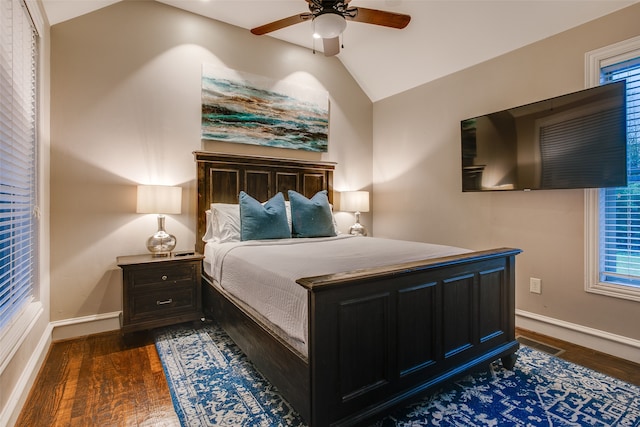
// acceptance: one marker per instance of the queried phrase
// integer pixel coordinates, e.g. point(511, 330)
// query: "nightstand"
point(160, 291)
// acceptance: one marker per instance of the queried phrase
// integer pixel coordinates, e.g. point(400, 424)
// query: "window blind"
point(620, 207)
point(17, 159)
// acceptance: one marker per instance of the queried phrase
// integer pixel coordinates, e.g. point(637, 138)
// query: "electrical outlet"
point(535, 285)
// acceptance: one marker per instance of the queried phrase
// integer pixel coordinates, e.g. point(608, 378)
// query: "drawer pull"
point(169, 301)
point(164, 277)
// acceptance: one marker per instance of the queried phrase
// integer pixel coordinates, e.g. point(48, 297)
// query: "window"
point(613, 214)
point(18, 224)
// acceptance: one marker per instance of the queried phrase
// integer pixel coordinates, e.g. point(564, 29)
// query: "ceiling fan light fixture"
point(328, 25)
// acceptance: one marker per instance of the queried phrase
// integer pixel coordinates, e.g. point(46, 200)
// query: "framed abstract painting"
point(249, 109)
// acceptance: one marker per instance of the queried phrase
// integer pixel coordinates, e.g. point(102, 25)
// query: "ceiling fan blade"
point(331, 47)
point(281, 23)
point(380, 17)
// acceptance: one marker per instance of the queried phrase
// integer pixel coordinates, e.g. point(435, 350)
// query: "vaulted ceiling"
point(444, 36)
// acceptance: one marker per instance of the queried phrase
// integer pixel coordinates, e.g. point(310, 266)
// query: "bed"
point(375, 337)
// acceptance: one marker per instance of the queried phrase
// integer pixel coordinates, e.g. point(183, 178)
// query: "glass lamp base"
point(358, 229)
point(161, 243)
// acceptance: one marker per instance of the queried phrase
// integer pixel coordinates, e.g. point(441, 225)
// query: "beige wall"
point(126, 110)
point(417, 175)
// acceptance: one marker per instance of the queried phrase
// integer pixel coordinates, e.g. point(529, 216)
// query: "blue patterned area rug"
point(213, 383)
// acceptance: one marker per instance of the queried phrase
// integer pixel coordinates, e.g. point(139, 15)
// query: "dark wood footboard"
point(380, 337)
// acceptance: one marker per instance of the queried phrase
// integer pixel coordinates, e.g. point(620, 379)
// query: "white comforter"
point(262, 273)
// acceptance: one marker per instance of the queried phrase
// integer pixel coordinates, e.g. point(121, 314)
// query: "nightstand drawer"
point(160, 291)
point(164, 301)
point(163, 275)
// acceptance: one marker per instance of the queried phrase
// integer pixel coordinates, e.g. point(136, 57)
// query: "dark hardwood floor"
point(100, 381)
point(612, 366)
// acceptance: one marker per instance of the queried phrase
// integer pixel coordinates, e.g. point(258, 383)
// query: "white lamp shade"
point(159, 199)
point(329, 25)
point(354, 201)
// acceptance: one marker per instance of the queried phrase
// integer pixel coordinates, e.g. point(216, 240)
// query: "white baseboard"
point(605, 342)
point(59, 330)
point(86, 325)
point(20, 392)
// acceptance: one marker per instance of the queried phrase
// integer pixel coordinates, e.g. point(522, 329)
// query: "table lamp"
point(355, 201)
point(160, 199)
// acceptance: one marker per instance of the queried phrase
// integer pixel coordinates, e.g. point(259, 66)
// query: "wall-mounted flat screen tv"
point(578, 140)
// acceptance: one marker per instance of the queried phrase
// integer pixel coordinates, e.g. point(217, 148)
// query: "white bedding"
point(262, 273)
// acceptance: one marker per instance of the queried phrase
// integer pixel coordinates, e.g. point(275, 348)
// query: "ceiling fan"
point(330, 19)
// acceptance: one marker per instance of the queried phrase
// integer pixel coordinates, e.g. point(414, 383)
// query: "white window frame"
point(13, 336)
point(595, 61)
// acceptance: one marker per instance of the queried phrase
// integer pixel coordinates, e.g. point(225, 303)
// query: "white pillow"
point(335, 222)
point(225, 222)
point(287, 206)
point(208, 234)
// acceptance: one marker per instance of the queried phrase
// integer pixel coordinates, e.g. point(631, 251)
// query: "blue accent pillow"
point(258, 221)
point(311, 217)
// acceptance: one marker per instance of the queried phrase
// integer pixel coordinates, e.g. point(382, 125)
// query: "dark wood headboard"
point(222, 176)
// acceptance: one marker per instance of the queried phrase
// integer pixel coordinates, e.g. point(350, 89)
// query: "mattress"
point(262, 274)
